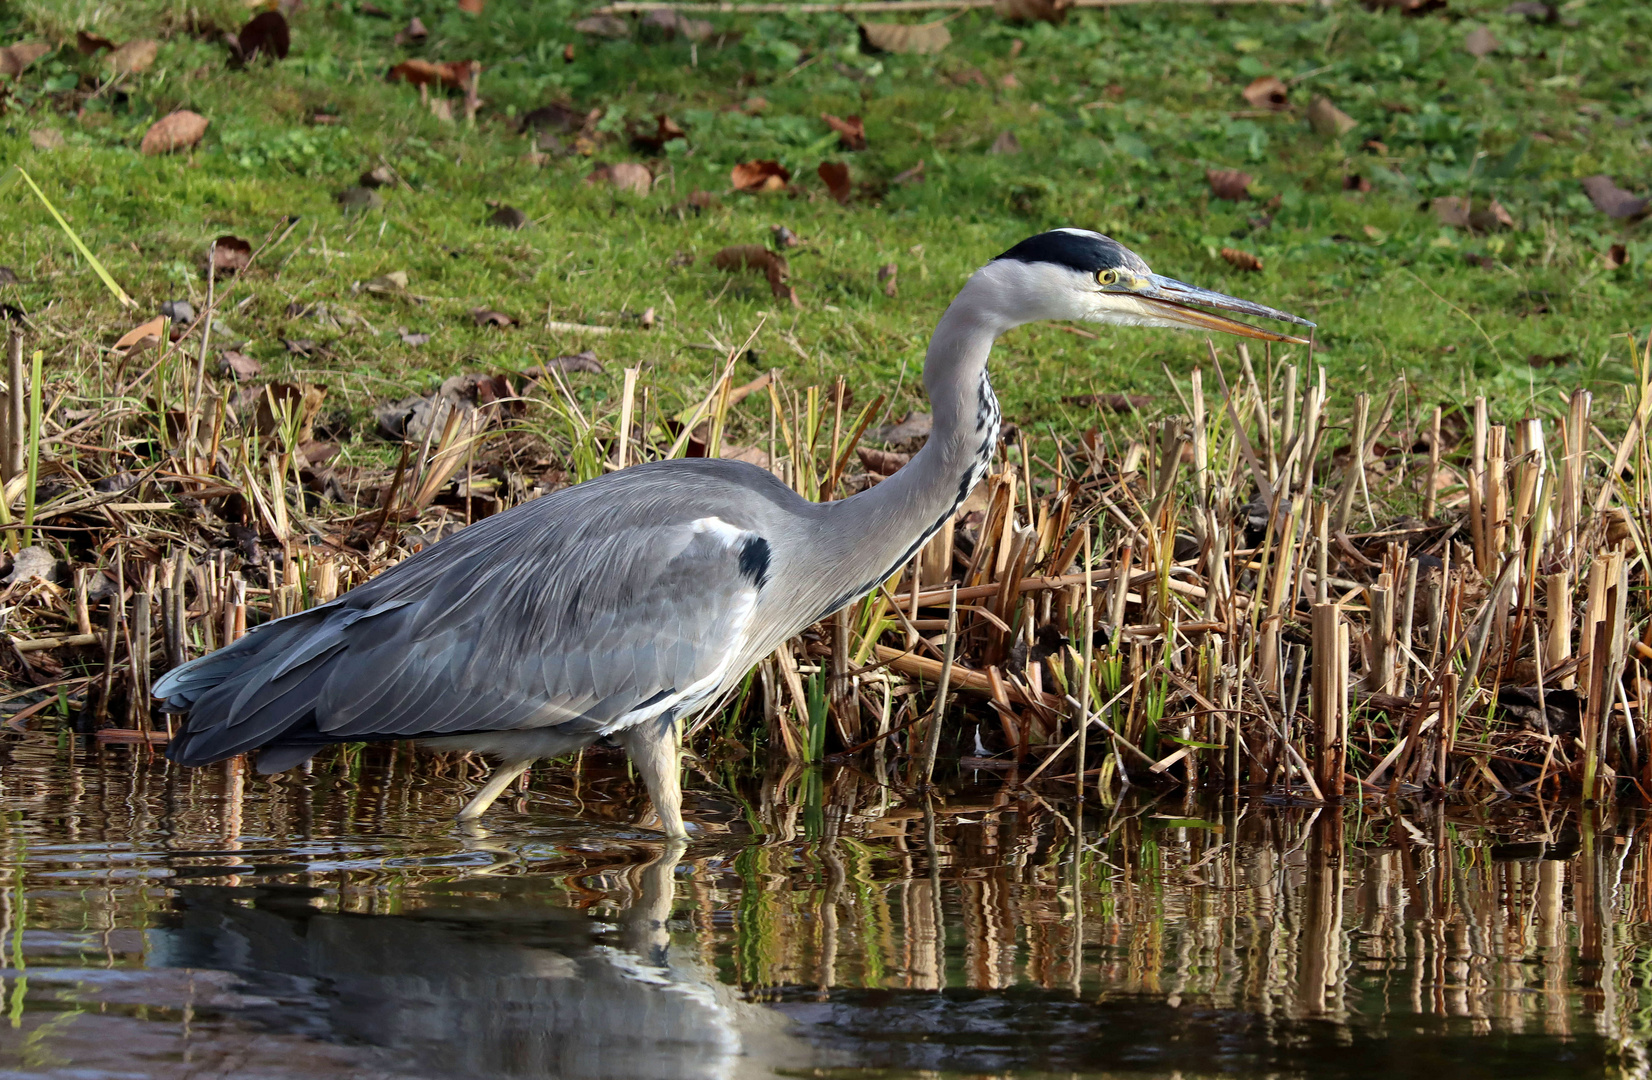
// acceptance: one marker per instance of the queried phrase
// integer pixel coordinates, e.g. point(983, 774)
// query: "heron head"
point(1078, 274)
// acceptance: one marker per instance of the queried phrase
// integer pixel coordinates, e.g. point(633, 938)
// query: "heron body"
point(615, 607)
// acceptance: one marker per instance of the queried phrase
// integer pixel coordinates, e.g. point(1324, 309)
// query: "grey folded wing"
point(531, 623)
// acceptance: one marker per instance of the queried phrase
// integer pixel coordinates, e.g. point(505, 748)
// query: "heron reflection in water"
point(485, 980)
point(616, 607)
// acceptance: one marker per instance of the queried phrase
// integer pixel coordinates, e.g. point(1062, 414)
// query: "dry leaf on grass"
point(412, 340)
point(46, 139)
point(1119, 403)
point(835, 175)
point(265, 35)
point(88, 43)
point(239, 366)
point(886, 275)
point(452, 74)
point(1481, 42)
point(472, 7)
point(358, 200)
point(414, 34)
point(583, 361)
point(626, 176)
point(489, 317)
point(1006, 143)
point(175, 131)
point(391, 284)
point(133, 58)
point(914, 175)
point(759, 176)
point(1460, 213)
point(1050, 11)
point(508, 217)
point(672, 23)
point(851, 132)
point(139, 338)
point(229, 255)
point(1612, 200)
point(755, 257)
point(882, 462)
point(1267, 92)
point(925, 39)
point(1241, 260)
point(1229, 184)
point(1327, 120)
point(15, 59)
point(378, 176)
point(604, 26)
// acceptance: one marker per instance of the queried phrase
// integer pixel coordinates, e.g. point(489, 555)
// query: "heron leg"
point(654, 750)
point(503, 774)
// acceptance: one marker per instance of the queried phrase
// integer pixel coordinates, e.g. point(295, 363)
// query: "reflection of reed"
point(1521, 923)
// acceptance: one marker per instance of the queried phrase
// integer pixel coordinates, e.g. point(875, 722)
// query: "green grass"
point(1119, 114)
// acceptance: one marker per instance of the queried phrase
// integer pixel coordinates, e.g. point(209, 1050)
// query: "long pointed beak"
point(1173, 300)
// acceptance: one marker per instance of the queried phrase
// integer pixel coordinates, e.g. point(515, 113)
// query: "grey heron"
point(616, 607)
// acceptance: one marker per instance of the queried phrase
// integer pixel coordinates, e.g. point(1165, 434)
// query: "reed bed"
point(1278, 590)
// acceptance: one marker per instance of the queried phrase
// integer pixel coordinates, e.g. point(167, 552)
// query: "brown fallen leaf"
point(472, 7)
point(141, 337)
point(604, 26)
point(175, 131)
point(414, 34)
point(46, 139)
point(15, 59)
point(1050, 11)
point(508, 217)
point(968, 77)
point(851, 132)
point(1119, 403)
point(761, 175)
point(1450, 210)
point(756, 257)
point(1327, 120)
point(914, 175)
point(453, 74)
point(584, 361)
point(488, 317)
point(886, 274)
point(88, 43)
point(1611, 200)
point(652, 141)
point(1481, 42)
point(671, 24)
point(882, 462)
point(133, 58)
point(1241, 260)
point(924, 39)
point(358, 200)
point(1490, 218)
point(229, 255)
point(626, 176)
point(265, 35)
point(1006, 143)
point(1229, 184)
point(835, 175)
point(1267, 92)
point(239, 366)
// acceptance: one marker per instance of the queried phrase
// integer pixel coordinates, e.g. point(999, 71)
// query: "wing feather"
point(552, 615)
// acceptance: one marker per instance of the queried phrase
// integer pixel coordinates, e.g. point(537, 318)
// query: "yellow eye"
point(1107, 277)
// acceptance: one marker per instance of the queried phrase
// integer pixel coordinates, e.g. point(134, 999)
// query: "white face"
point(1018, 292)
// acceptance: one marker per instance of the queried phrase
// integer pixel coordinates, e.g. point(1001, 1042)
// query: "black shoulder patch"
point(1086, 252)
point(754, 560)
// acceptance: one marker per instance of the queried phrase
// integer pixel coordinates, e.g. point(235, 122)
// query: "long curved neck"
point(870, 534)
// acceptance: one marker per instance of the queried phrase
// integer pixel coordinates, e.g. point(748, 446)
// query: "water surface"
point(168, 923)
